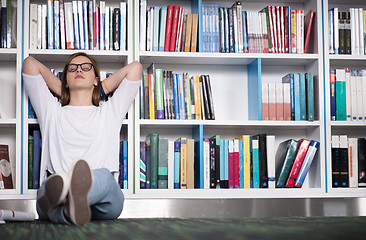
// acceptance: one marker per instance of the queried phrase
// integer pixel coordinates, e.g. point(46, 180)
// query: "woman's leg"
point(105, 196)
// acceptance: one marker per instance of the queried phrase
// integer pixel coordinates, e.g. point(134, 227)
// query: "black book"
point(361, 162)
point(116, 28)
point(210, 97)
point(347, 33)
point(215, 161)
point(343, 163)
point(3, 27)
point(231, 30)
point(335, 161)
point(263, 168)
point(171, 95)
point(205, 99)
point(341, 24)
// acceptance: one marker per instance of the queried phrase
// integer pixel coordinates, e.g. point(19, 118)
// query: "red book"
point(301, 152)
point(309, 22)
point(174, 28)
point(94, 28)
point(231, 163)
point(236, 164)
point(178, 46)
point(285, 12)
point(168, 28)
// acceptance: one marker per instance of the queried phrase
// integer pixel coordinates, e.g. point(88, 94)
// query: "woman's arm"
point(32, 66)
point(132, 72)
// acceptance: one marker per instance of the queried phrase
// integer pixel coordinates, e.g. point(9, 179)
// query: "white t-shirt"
point(70, 133)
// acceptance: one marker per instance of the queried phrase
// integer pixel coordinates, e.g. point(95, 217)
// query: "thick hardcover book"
point(263, 168)
point(179, 40)
point(304, 145)
point(303, 99)
point(361, 162)
point(194, 33)
point(174, 28)
point(297, 97)
point(190, 163)
point(309, 157)
point(231, 163)
point(285, 156)
point(308, 26)
point(353, 162)
point(176, 164)
point(206, 160)
point(143, 9)
point(163, 12)
point(335, 161)
point(343, 165)
point(168, 28)
point(293, 31)
point(205, 98)
point(163, 163)
point(235, 164)
point(153, 140)
point(5, 167)
point(255, 161)
point(183, 163)
point(143, 165)
point(155, 33)
point(340, 92)
point(36, 157)
point(309, 96)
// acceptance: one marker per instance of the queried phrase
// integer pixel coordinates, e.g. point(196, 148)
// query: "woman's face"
point(81, 77)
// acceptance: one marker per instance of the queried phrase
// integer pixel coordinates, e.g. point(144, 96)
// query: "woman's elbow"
point(135, 72)
point(29, 66)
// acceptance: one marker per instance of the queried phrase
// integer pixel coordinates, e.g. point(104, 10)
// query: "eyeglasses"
point(86, 67)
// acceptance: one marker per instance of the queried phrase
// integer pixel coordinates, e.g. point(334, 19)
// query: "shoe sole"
point(81, 181)
point(53, 191)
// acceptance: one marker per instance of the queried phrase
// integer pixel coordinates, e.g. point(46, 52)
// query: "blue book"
point(197, 134)
point(120, 159)
point(175, 92)
point(222, 163)
point(217, 31)
point(50, 25)
point(156, 29)
point(241, 161)
point(142, 164)
point(56, 17)
point(310, 96)
point(302, 96)
point(163, 163)
point(31, 113)
point(255, 156)
point(310, 154)
point(289, 78)
point(255, 90)
point(36, 157)
point(176, 164)
point(226, 156)
point(125, 165)
point(289, 29)
point(181, 96)
point(163, 12)
point(245, 31)
point(297, 96)
point(222, 29)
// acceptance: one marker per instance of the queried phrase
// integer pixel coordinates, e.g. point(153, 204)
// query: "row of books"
point(347, 31)
point(168, 95)
point(347, 94)
point(7, 24)
point(6, 176)
point(244, 162)
point(167, 28)
point(78, 25)
point(348, 161)
point(34, 160)
point(292, 99)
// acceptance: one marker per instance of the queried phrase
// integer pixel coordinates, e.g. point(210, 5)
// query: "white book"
point(106, 28)
point(81, 24)
point(360, 102)
point(86, 25)
point(331, 31)
point(360, 32)
point(353, 31)
point(44, 26)
point(206, 159)
point(39, 26)
point(178, 41)
point(353, 162)
point(348, 93)
point(354, 108)
point(56, 12)
point(143, 6)
point(300, 31)
point(91, 24)
point(76, 24)
point(271, 161)
point(279, 101)
point(155, 40)
point(282, 29)
point(236, 37)
point(239, 8)
point(123, 26)
point(171, 165)
point(279, 35)
point(336, 30)
point(163, 13)
point(102, 25)
point(69, 27)
point(259, 32)
point(149, 30)
point(363, 77)
point(272, 108)
point(50, 25)
point(62, 24)
point(265, 102)
point(287, 101)
point(33, 26)
point(357, 33)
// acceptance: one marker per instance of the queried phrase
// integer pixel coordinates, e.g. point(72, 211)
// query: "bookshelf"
point(109, 61)
point(353, 129)
point(229, 74)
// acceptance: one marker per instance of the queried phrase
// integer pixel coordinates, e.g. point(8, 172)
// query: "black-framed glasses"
point(86, 67)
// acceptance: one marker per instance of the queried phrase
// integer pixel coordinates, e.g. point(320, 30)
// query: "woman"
point(80, 137)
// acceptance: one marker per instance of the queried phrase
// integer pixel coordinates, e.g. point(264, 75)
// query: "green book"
point(163, 163)
point(187, 95)
point(285, 156)
point(302, 96)
point(30, 162)
point(159, 93)
point(310, 96)
point(153, 140)
point(341, 112)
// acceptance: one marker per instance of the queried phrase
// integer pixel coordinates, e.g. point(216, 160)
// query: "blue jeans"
point(105, 199)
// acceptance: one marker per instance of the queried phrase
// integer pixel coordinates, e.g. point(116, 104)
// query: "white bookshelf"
point(349, 128)
point(229, 81)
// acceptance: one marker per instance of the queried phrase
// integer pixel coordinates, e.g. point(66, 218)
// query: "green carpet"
point(297, 228)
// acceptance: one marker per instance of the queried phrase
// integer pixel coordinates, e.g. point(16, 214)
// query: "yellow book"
point(187, 43)
point(183, 163)
point(246, 159)
point(190, 163)
point(197, 97)
point(151, 96)
point(194, 32)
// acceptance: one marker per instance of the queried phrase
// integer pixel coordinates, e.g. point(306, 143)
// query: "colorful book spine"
point(304, 145)
point(153, 139)
point(143, 168)
point(297, 104)
point(163, 163)
point(309, 157)
point(125, 164)
point(159, 91)
point(303, 101)
point(183, 163)
point(340, 93)
point(176, 164)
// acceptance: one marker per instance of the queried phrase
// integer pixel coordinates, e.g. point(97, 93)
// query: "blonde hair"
point(65, 91)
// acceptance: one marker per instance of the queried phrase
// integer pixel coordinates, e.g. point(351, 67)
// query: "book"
point(178, 43)
point(187, 42)
point(30, 161)
point(163, 163)
point(5, 167)
point(309, 96)
point(171, 168)
point(163, 13)
point(308, 26)
point(148, 165)
point(309, 157)
point(335, 161)
point(176, 164)
point(155, 33)
point(263, 165)
point(168, 28)
point(285, 156)
point(332, 78)
point(194, 32)
point(300, 155)
point(143, 10)
point(190, 163)
point(143, 168)
point(174, 28)
point(303, 99)
point(340, 95)
point(151, 83)
point(69, 26)
point(271, 162)
point(36, 157)
point(353, 162)
point(183, 163)
point(125, 164)
point(255, 162)
point(159, 93)
point(214, 161)
point(361, 162)
point(153, 140)
point(116, 28)
point(265, 102)
point(343, 164)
